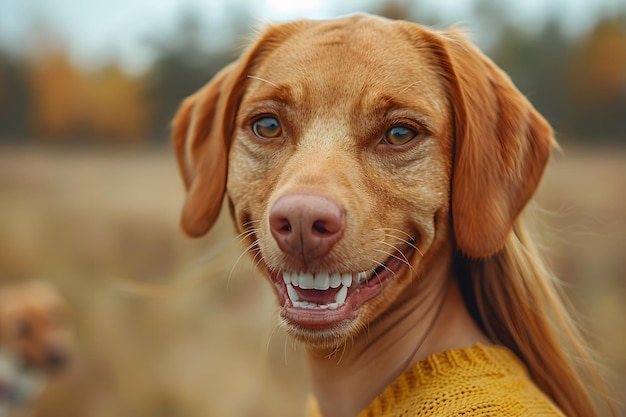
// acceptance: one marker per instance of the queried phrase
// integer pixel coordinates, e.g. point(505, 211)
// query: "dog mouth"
point(323, 299)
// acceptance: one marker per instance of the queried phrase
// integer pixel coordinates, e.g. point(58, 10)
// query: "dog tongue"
point(320, 297)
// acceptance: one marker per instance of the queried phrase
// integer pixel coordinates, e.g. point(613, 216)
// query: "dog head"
point(34, 325)
point(356, 154)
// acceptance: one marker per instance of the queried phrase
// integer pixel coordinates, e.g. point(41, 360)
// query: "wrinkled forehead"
point(351, 59)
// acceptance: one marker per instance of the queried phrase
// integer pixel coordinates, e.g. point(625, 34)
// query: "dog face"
point(374, 150)
point(34, 325)
point(357, 154)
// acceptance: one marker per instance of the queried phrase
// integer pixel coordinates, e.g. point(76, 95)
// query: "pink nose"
point(306, 226)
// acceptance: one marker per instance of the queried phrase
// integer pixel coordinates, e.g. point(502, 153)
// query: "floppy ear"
point(502, 145)
point(201, 131)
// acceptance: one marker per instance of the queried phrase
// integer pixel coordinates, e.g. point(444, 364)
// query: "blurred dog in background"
point(36, 342)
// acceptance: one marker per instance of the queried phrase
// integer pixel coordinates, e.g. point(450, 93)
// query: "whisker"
point(285, 344)
point(294, 344)
point(269, 338)
point(262, 79)
point(396, 257)
point(385, 267)
point(333, 352)
point(248, 226)
point(243, 253)
point(250, 223)
point(409, 86)
point(210, 254)
point(244, 235)
point(368, 332)
point(404, 258)
point(408, 242)
point(343, 352)
point(255, 263)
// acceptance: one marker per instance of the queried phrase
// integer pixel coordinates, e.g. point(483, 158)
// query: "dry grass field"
point(172, 327)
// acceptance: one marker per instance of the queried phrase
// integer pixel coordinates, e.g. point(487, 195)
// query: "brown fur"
point(35, 325)
point(457, 189)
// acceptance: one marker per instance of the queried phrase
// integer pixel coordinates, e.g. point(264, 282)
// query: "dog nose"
point(56, 359)
point(306, 226)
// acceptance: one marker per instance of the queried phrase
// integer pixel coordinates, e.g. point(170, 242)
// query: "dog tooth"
point(293, 294)
point(335, 280)
point(332, 306)
point(340, 298)
point(295, 279)
point(286, 278)
point(346, 279)
point(306, 281)
point(322, 281)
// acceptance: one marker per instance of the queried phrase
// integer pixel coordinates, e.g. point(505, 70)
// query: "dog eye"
point(399, 135)
point(267, 127)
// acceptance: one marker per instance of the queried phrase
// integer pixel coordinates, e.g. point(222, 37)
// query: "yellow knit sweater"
point(472, 382)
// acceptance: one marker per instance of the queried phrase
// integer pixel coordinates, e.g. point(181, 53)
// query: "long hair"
point(519, 303)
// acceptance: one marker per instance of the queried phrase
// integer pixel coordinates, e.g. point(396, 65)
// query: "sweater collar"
point(478, 360)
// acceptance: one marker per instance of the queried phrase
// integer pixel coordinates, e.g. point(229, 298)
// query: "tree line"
point(578, 83)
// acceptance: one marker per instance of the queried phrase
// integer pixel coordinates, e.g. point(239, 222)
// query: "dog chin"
point(329, 338)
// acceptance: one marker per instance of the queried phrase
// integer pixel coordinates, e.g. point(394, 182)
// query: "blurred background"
point(172, 327)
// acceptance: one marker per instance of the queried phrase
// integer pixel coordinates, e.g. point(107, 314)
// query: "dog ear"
point(502, 145)
point(201, 130)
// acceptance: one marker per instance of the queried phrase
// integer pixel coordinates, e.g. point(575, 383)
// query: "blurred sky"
point(96, 31)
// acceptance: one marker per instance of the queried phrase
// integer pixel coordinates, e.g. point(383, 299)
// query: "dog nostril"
point(281, 225)
point(319, 227)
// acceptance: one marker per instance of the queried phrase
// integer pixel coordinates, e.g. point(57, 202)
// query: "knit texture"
point(476, 381)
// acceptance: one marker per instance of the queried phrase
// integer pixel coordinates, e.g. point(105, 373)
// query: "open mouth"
point(320, 300)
